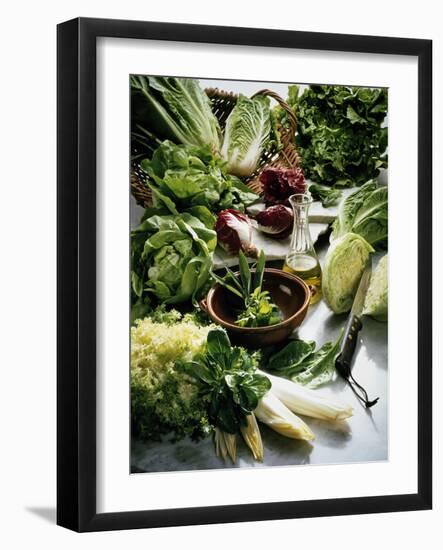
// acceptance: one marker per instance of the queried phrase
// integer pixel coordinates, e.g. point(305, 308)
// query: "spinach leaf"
point(287, 361)
point(319, 368)
point(327, 196)
point(302, 364)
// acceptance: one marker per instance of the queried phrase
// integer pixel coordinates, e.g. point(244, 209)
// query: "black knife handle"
point(349, 341)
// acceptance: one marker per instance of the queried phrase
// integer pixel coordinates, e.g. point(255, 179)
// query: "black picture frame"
point(76, 280)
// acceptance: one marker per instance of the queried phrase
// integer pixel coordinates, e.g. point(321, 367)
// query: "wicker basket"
point(222, 104)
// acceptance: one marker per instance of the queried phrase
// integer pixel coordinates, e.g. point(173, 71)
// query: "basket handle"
point(216, 92)
point(285, 107)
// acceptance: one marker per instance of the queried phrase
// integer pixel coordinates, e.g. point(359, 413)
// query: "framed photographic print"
point(238, 338)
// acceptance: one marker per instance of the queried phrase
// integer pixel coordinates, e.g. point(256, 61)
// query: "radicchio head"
point(280, 183)
point(276, 221)
point(234, 232)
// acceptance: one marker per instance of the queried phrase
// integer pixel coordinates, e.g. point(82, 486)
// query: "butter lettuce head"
point(344, 265)
point(376, 302)
point(171, 258)
point(184, 177)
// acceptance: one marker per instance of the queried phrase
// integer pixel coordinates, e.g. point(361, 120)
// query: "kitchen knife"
point(343, 362)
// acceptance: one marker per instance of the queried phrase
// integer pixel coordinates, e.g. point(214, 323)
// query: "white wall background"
point(27, 277)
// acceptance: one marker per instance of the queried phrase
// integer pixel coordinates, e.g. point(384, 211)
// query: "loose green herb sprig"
point(259, 310)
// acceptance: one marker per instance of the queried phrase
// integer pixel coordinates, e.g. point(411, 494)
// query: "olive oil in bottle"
point(301, 259)
point(307, 268)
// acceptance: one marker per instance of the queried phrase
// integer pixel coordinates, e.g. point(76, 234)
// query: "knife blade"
point(360, 295)
point(343, 362)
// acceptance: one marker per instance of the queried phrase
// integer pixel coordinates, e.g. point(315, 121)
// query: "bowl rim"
point(282, 324)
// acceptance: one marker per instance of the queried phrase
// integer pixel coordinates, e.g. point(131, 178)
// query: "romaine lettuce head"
point(171, 257)
point(247, 134)
point(376, 302)
point(344, 265)
point(174, 108)
point(365, 212)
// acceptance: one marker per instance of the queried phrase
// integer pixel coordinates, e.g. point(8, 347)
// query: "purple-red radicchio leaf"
point(280, 183)
point(276, 221)
point(234, 232)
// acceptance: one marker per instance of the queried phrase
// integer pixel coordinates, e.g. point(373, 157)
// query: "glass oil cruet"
point(302, 259)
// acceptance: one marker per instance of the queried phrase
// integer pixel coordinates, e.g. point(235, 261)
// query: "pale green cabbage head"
point(344, 265)
point(376, 302)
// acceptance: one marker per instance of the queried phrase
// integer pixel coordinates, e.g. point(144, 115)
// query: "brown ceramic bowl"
point(290, 293)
